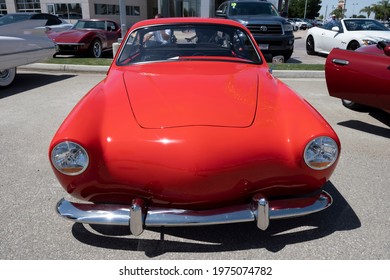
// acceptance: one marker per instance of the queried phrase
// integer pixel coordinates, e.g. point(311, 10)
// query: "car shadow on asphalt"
point(226, 238)
point(380, 116)
point(28, 81)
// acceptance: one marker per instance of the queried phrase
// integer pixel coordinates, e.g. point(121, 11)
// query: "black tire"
point(96, 49)
point(353, 45)
point(288, 55)
point(310, 50)
point(7, 77)
point(351, 105)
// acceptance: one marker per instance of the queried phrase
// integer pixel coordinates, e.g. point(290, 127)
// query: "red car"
point(360, 77)
point(192, 129)
point(89, 37)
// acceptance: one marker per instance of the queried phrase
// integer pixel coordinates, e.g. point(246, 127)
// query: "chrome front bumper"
point(137, 216)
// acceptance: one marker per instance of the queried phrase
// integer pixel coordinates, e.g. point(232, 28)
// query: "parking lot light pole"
point(304, 15)
point(122, 14)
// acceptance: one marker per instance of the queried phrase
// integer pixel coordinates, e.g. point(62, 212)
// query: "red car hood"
point(69, 36)
point(174, 94)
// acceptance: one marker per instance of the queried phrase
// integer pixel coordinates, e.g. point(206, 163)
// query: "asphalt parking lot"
point(299, 55)
point(356, 226)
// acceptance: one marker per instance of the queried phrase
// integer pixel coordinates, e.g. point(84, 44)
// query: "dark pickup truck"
point(273, 33)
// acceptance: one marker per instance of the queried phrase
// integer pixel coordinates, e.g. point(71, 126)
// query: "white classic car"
point(21, 44)
point(347, 34)
point(48, 21)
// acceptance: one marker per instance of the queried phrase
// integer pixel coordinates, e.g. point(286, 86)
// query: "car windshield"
point(11, 18)
point(366, 25)
point(89, 24)
point(188, 42)
point(252, 9)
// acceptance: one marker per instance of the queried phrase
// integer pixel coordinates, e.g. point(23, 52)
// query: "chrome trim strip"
point(323, 202)
point(28, 51)
point(124, 215)
point(70, 44)
point(157, 217)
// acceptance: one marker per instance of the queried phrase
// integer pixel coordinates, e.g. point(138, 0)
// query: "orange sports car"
point(190, 128)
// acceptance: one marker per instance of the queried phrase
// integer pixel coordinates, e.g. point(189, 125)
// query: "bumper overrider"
point(138, 216)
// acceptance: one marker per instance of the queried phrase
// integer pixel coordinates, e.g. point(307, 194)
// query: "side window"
point(131, 51)
point(111, 26)
point(224, 7)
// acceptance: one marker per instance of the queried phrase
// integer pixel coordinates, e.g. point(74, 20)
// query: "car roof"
point(95, 19)
point(189, 20)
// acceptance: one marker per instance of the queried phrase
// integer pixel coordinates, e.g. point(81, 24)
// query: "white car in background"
point(294, 24)
point(347, 34)
point(47, 21)
point(21, 43)
point(302, 25)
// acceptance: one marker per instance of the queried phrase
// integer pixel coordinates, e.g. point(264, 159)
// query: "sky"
point(353, 6)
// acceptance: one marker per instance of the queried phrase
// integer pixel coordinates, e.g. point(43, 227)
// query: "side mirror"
point(336, 28)
point(385, 47)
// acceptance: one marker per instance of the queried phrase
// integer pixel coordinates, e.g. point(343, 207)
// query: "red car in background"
point(361, 77)
point(192, 132)
point(90, 37)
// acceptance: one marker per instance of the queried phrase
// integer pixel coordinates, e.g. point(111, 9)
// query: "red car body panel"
point(193, 134)
point(193, 101)
point(361, 76)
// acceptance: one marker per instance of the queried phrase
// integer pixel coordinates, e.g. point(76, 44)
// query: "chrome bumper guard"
point(137, 216)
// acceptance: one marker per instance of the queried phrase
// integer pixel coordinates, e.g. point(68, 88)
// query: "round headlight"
point(69, 158)
point(321, 152)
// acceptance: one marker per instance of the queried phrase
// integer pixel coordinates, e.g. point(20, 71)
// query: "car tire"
point(96, 49)
point(310, 50)
point(351, 105)
point(353, 45)
point(7, 77)
point(287, 55)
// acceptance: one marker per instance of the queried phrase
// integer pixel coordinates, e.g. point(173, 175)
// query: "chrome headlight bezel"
point(321, 153)
point(69, 158)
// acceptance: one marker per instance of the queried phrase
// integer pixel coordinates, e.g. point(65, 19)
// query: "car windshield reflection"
point(366, 25)
point(188, 42)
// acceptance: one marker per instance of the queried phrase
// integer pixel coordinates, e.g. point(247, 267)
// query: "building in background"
point(136, 10)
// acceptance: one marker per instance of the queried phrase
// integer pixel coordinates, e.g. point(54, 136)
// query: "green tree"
point(297, 8)
point(368, 10)
point(381, 10)
point(338, 12)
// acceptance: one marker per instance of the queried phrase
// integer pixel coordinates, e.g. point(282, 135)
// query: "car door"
point(332, 39)
point(360, 77)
